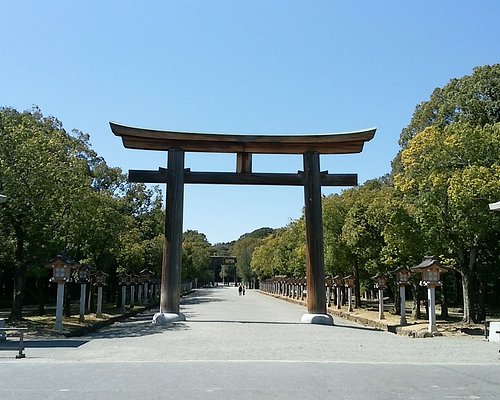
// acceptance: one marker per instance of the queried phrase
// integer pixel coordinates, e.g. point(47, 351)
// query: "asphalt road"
point(249, 347)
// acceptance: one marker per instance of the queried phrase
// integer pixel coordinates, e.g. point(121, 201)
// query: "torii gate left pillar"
point(315, 260)
point(170, 293)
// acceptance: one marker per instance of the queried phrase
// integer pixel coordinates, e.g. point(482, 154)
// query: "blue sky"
point(259, 67)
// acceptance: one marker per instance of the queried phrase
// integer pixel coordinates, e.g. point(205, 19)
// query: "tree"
point(43, 174)
point(243, 249)
point(196, 254)
point(262, 262)
point(473, 100)
point(63, 196)
point(451, 174)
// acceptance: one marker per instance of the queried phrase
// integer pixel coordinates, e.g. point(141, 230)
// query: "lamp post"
point(99, 281)
point(133, 282)
point(146, 275)
point(61, 267)
point(140, 283)
point(349, 283)
point(380, 281)
point(83, 277)
point(402, 277)
point(123, 281)
point(329, 285)
point(430, 270)
point(337, 282)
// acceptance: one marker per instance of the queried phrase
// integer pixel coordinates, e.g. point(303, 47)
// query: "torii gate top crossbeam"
point(148, 139)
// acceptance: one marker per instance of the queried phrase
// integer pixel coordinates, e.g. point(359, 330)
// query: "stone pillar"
point(339, 298)
point(98, 313)
point(59, 306)
point(381, 304)
point(432, 309)
point(124, 297)
point(132, 295)
point(139, 294)
point(83, 292)
point(402, 295)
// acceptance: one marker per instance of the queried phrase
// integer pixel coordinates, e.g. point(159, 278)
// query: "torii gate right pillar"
point(315, 262)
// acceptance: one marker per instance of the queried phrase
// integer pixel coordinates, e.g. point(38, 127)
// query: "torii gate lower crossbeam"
point(175, 176)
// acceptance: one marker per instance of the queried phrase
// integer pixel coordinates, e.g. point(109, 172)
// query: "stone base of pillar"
point(318, 319)
point(167, 318)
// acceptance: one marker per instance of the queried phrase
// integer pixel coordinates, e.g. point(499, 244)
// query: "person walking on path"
point(240, 289)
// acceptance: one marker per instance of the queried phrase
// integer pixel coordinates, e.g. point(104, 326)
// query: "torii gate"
point(175, 176)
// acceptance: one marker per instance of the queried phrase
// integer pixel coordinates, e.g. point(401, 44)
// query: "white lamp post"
point(380, 281)
point(146, 275)
point(430, 270)
point(140, 284)
point(337, 282)
point(133, 281)
point(123, 281)
point(83, 278)
point(61, 267)
point(402, 277)
point(349, 283)
point(99, 281)
point(329, 286)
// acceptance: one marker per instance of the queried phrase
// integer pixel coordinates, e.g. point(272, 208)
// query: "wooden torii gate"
point(175, 176)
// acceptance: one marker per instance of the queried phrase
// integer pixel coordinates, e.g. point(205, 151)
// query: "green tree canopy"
point(473, 100)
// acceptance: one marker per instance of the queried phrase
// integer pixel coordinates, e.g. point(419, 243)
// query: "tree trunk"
point(444, 304)
point(19, 276)
point(357, 291)
point(415, 312)
point(469, 286)
point(16, 313)
point(397, 301)
point(467, 298)
point(67, 302)
point(40, 295)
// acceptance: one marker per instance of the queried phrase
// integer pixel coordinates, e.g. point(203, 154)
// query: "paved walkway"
point(253, 344)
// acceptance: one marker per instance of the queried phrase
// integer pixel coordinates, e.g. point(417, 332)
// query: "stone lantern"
point(99, 281)
point(338, 283)
point(146, 276)
point(62, 267)
point(380, 283)
point(430, 270)
point(140, 283)
point(349, 282)
point(123, 281)
point(329, 285)
point(83, 277)
point(402, 279)
point(134, 280)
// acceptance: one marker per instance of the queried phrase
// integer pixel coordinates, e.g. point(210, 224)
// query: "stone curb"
point(404, 330)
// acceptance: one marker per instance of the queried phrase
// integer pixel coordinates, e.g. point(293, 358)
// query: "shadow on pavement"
point(140, 325)
point(201, 296)
point(43, 343)
point(360, 327)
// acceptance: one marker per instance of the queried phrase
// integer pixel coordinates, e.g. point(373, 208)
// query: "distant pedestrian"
point(243, 289)
point(240, 289)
